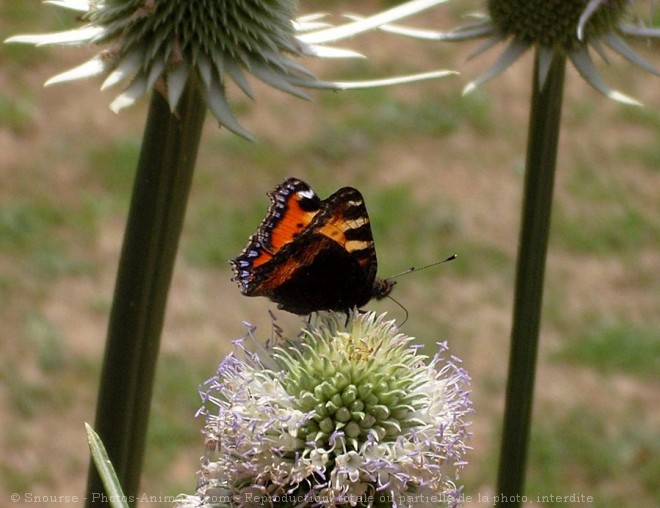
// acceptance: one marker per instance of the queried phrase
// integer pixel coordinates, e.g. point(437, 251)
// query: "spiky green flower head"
point(348, 414)
point(157, 43)
point(569, 27)
point(555, 23)
point(160, 44)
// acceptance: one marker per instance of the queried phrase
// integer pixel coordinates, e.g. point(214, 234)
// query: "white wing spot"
point(353, 245)
point(359, 221)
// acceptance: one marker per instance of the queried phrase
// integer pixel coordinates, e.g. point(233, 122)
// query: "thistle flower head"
point(570, 27)
point(554, 24)
point(349, 415)
point(162, 43)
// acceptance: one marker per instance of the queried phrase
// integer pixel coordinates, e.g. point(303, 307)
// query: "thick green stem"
point(155, 219)
point(542, 148)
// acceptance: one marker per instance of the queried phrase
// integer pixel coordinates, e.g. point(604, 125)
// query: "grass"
point(381, 117)
point(649, 117)
point(27, 232)
point(392, 228)
point(32, 232)
point(41, 387)
point(646, 153)
point(599, 456)
point(23, 224)
point(615, 346)
point(114, 166)
point(26, 398)
point(47, 342)
point(622, 229)
point(15, 113)
point(216, 230)
point(172, 425)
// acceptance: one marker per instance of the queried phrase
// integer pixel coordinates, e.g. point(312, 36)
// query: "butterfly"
point(311, 254)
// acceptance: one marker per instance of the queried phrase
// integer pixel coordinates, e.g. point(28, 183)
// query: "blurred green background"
point(441, 174)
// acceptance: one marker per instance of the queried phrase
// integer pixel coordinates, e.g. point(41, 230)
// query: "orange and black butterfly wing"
point(293, 206)
point(311, 255)
point(332, 264)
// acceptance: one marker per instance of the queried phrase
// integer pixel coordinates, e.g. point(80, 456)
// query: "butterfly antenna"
point(413, 269)
point(276, 332)
point(404, 310)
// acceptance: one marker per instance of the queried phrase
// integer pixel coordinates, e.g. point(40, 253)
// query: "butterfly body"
point(311, 254)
